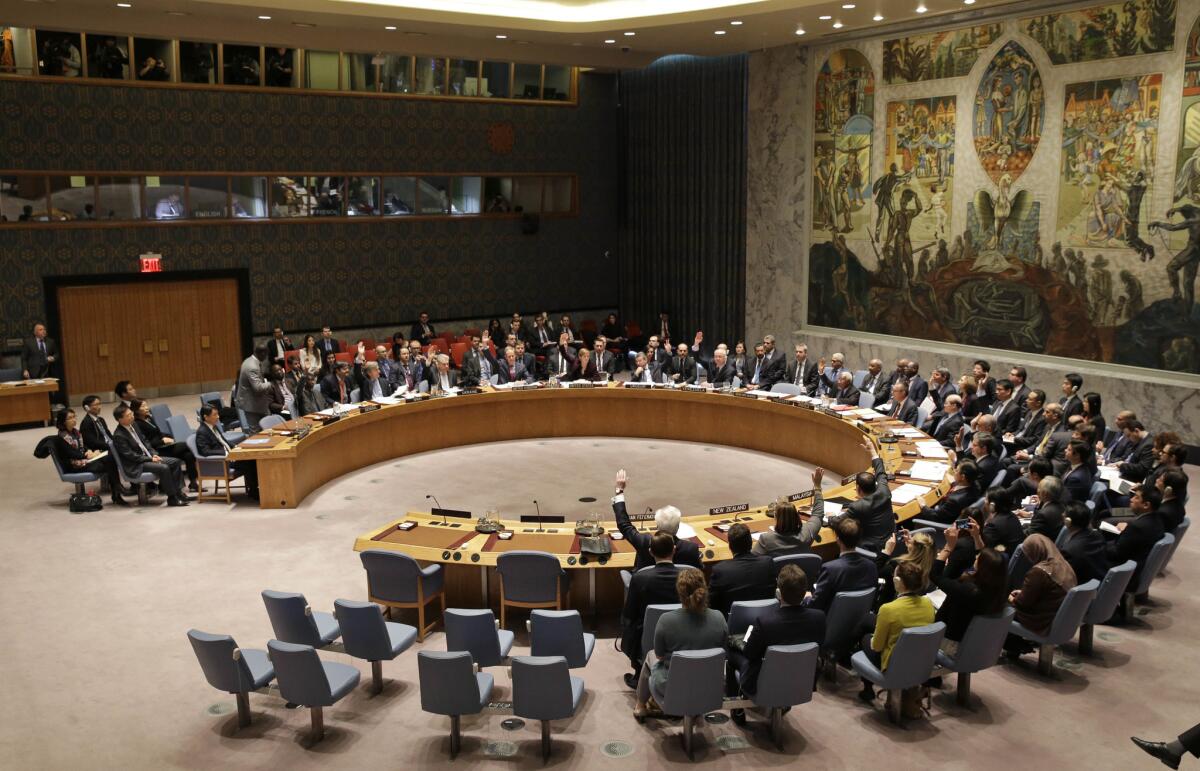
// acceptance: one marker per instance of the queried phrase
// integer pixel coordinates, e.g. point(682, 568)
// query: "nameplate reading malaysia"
point(734, 509)
point(800, 496)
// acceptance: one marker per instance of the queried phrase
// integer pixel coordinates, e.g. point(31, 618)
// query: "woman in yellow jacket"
point(910, 608)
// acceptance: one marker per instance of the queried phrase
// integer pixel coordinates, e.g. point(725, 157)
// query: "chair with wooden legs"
point(397, 580)
point(213, 469)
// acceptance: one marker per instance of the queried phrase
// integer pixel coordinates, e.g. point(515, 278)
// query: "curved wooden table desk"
point(289, 469)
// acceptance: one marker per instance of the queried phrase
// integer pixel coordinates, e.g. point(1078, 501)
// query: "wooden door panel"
point(218, 319)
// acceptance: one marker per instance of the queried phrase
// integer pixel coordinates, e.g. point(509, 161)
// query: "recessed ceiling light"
point(390, 28)
point(610, 41)
point(502, 37)
point(265, 18)
point(837, 25)
point(124, 5)
point(719, 32)
point(921, 9)
point(630, 34)
point(799, 30)
point(824, 18)
point(968, 2)
point(735, 23)
point(848, 6)
point(879, 16)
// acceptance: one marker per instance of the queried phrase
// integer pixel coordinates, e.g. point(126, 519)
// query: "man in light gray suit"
point(254, 392)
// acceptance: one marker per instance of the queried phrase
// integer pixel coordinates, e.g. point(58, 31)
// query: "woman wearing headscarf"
point(1045, 585)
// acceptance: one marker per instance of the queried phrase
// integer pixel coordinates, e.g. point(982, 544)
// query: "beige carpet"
point(97, 672)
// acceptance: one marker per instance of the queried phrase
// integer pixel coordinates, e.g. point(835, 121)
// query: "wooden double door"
point(161, 335)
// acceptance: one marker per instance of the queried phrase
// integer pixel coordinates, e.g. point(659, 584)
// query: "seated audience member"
point(1173, 485)
point(1169, 454)
point(409, 371)
point(527, 358)
point(873, 505)
point(278, 347)
point(985, 385)
point(681, 368)
point(1139, 452)
point(918, 389)
point(388, 368)
point(845, 393)
point(875, 383)
point(1081, 459)
point(1051, 445)
point(613, 333)
point(1043, 590)
point(495, 331)
point(1139, 533)
point(655, 586)
point(422, 330)
point(1002, 529)
point(944, 424)
point(604, 361)
point(804, 373)
point(136, 458)
point(75, 456)
point(666, 520)
point(541, 338)
point(94, 429)
point(983, 592)
point(1027, 483)
point(741, 361)
point(748, 576)
point(336, 386)
point(1006, 410)
point(125, 392)
point(280, 397)
point(328, 343)
point(759, 370)
point(982, 424)
point(1091, 413)
point(211, 443)
point(1084, 548)
point(565, 327)
point(512, 370)
point(310, 355)
point(309, 397)
point(789, 624)
point(1117, 450)
point(478, 365)
point(964, 492)
point(1032, 425)
point(584, 368)
point(399, 343)
point(644, 372)
point(972, 405)
point(371, 383)
point(723, 372)
point(983, 451)
point(918, 549)
point(900, 407)
point(293, 378)
point(693, 627)
point(328, 367)
point(789, 535)
point(1070, 401)
point(560, 359)
point(911, 608)
point(940, 387)
point(850, 572)
point(829, 375)
point(1048, 513)
point(441, 377)
point(161, 443)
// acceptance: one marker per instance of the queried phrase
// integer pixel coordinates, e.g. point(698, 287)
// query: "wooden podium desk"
point(26, 401)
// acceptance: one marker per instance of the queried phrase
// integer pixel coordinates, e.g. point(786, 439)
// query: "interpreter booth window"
point(359, 72)
point(494, 80)
point(108, 57)
point(197, 62)
point(207, 197)
point(120, 198)
point(396, 73)
point(362, 196)
point(321, 70)
point(59, 54)
point(433, 195)
point(248, 197)
point(497, 195)
point(527, 81)
point(468, 194)
point(559, 195)
point(242, 65)
point(431, 75)
point(281, 67)
point(289, 197)
point(527, 194)
point(464, 77)
point(558, 83)
point(23, 198)
point(153, 60)
point(324, 195)
point(72, 198)
point(165, 198)
point(16, 51)
point(399, 196)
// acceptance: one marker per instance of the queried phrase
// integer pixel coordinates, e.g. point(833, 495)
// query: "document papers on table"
point(931, 449)
point(928, 470)
point(906, 493)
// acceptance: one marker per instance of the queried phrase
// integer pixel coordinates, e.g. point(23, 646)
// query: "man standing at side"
point(39, 359)
point(254, 392)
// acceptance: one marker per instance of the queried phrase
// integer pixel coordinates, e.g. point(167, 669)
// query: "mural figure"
point(948, 54)
point(844, 122)
point(1106, 31)
point(1009, 99)
point(1188, 260)
point(920, 143)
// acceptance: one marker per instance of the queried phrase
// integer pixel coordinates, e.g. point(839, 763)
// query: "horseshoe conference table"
point(290, 468)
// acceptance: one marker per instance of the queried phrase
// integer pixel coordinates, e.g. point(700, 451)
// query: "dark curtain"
point(683, 208)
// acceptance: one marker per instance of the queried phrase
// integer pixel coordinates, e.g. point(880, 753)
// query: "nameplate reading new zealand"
point(734, 509)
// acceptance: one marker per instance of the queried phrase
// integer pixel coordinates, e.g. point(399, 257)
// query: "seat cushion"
point(260, 667)
point(342, 679)
point(863, 666)
point(400, 636)
point(946, 661)
point(1021, 631)
point(327, 627)
point(79, 477)
point(485, 682)
point(506, 641)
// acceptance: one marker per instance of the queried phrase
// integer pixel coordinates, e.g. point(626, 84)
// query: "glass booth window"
point(324, 196)
point(396, 74)
point(72, 198)
point(23, 198)
point(16, 57)
point(527, 194)
point(108, 57)
point(289, 198)
point(399, 196)
point(558, 83)
point(559, 195)
point(467, 196)
point(321, 70)
point(431, 75)
point(153, 59)
point(281, 67)
point(164, 198)
point(359, 73)
point(249, 198)
point(206, 197)
point(120, 198)
point(362, 196)
point(464, 77)
point(433, 195)
point(494, 82)
point(498, 194)
point(58, 54)
point(527, 81)
point(242, 65)
point(197, 62)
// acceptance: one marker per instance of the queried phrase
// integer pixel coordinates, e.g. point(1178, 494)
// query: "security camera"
point(625, 49)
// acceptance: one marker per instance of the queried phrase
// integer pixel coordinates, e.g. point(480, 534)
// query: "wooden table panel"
point(27, 402)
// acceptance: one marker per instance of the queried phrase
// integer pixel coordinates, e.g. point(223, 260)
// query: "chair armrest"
point(931, 523)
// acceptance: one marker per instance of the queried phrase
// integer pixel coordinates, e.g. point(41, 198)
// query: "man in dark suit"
point(1018, 376)
point(1080, 474)
point(644, 372)
point(666, 520)
point(478, 364)
point(328, 343)
point(605, 361)
point(681, 368)
point(802, 372)
point(827, 383)
point(211, 442)
point(850, 572)
point(93, 428)
point(845, 393)
point(1085, 549)
point(1138, 459)
point(1048, 515)
point(39, 359)
point(774, 362)
point(371, 383)
point(944, 424)
point(409, 371)
point(1115, 451)
point(136, 457)
point(1052, 444)
point(940, 387)
point(875, 383)
point(512, 370)
point(985, 384)
point(1173, 486)
point(900, 407)
point(278, 347)
point(1140, 534)
point(918, 389)
point(722, 372)
point(964, 492)
point(441, 377)
point(983, 451)
point(1026, 484)
point(873, 508)
point(748, 576)
point(1032, 425)
point(422, 330)
point(1006, 410)
point(526, 358)
point(1071, 403)
point(541, 338)
point(337, 385)
point(758, 369)
point(653, 586)
point(789, 624)
point(1170, 753)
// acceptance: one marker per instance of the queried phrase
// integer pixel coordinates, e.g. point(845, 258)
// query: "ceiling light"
point(719, 32)
point(124, 5)
point(610, 41)
point(799, 30)
point(921, 8)
point(265, 18)
point(390, 28)
point(879, 16)
point(824, 18)
point(735, 23)
point(502, 37)
point(848, 7)
point(837, 25)
point(968, 2)
point(630, 34)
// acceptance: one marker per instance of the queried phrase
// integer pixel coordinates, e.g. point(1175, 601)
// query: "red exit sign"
point(150, 263)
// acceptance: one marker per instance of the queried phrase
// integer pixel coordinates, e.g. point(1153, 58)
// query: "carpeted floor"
point(97, 672)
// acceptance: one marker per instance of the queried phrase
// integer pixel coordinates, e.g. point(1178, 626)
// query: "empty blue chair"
point(450, 686)
point(306, 680)
point(1108, 599)
point(866, 400)
point(1018, 566)
point(270, 421)
point(244, 422)
point(809, 563)
point(475, 632)
point(860, 377)
point(842, 623)
point(695, 687)
point(560, 633)
point(530, 579)
point(787, 388)
point(785, 680)
point(650, 623)
point(365, 635)
point(910, 664)
point(139, 483)
point(743, 612)
point(295, 622)
point(1180, 531)
point(1150, 569)
point(544, 689)
point(1065, 625)
point(77, 478)
point(232, 669)
point(979, 649)
point(161, 415)
point(701, 374)
point(213, 398)
point(397, 580)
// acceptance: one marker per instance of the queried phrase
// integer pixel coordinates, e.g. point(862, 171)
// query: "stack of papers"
point(870, 414)
point(833, 509)
point(928, 470)
point(906, 493)
point(255, 441)
point(388, 400)
point(937, 597)
point(760, 392)
point(910, 432)
point(931, 449)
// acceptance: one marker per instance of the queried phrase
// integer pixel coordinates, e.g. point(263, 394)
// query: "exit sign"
point(150, 263)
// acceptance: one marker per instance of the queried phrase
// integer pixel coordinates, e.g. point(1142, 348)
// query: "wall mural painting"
point(1109, 147)
point(1106, 31)
point(920, 144)
point(948, 54)
point(1009, 113)
point(844, 121)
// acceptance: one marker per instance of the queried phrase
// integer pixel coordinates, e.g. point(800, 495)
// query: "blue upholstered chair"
point(544, 689)
point(397, 580)
point(212, 468)
point(232, 669)
point(475, 632)
point(1180, 532)
point(809, 563)
point(860, 377)
point(842, 624)
point(530, 579)
point(161, 415)
point(1065, 625)
point(650, 623)
point(180, 428)
point(1149, 570)
point(293, 621)
point(1108, 600)
point(979, 649)
point(76, 478)
point(139, 483)
point(365, 635)
point(787, 388)
point(1018, 566)
point(560, 633)
point(306, 680)
point(786, 680)
point(270, 421)
point(743, 612)
point(910, 664)
point(450, 686)
point(695, 687)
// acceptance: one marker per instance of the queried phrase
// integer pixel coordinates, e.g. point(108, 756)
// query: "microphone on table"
point(539, 515)
point(439, 505)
